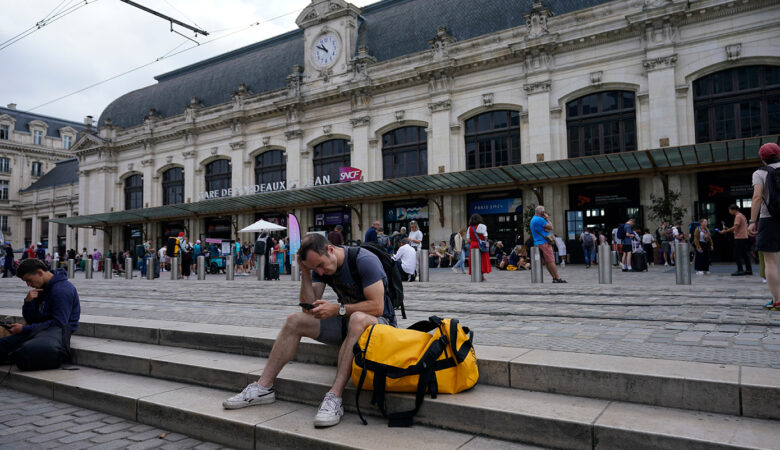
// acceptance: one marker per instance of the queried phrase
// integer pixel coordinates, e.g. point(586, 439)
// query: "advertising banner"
point(294, 230)
point(347, 174)
point(496, 206)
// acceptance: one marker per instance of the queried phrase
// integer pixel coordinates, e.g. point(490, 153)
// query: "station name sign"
point(346, 175)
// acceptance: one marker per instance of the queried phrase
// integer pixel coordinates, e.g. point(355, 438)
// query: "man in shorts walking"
point(540, 229)
point(763, 225)
point(360, 305)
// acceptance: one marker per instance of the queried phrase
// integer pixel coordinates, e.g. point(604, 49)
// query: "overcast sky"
point(108, 37)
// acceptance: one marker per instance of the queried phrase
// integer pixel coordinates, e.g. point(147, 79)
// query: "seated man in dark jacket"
point(52, 312)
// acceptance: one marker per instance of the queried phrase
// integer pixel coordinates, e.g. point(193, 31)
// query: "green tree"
point(666, 208)
point(528, 214)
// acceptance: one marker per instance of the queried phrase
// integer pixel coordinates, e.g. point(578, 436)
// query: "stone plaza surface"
point(717, 319)
point(28, 421)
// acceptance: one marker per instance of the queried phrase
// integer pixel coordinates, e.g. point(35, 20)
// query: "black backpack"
point(260, 247)
point(621, 232)
point(395, 288)
point(772, 186)
point(452, 240)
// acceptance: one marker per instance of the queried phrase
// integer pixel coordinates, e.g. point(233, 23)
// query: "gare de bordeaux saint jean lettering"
point(346, 175)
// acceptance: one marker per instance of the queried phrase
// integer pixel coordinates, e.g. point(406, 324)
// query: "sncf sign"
point(347, 174)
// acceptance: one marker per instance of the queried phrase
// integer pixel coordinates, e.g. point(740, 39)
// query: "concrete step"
point(726, 389)
point(197, 411)
point(551, 420)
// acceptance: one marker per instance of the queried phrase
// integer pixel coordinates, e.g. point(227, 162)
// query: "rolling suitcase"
point(614, 257)
point(273, 271)
point(639, 262)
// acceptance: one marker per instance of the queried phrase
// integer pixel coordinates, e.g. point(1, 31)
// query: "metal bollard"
point(129, 268)
point(71, 269)
point(88, 269)
point(537, 271)
point(229, 267)
point(108, 271)
point(423, 268)
point(151, 267)
point(260, 268)
point(295, 272)
point(605, 269)
point(174, 268)
point(475, 264)
point(201, 267)
point(683, 263)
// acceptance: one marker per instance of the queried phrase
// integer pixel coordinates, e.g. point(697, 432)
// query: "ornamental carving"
point(129, 167)
point(733, 52)
point(266, 140)
point(360, 121)
point(536, 20)
point(663, 62)
point(327, 130)
point(189, 154)
point(361, 62)
point(537, 87)
point(441, 81)
point(399, 115)
point(293, 134)
point(147, 162)
point(595, 78)
point(443, 105)
point(295, 82)
point(441, 42)
point(237, 145)
point(168, 159)
point(487, 100)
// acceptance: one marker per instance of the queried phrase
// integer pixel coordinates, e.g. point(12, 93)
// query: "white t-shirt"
point(759, 177)
point(408, 257)
point(648, 238)
point(417, 235)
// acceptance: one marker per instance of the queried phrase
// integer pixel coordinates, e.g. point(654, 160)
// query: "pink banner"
point(347, 174)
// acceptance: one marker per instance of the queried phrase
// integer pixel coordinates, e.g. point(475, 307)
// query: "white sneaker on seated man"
point(360, 306)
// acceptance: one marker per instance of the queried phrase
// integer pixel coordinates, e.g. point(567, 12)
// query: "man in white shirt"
point(163, 250)
point(406, 259)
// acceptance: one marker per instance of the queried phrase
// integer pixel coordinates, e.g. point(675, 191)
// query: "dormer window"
point(4, 132)
point(67, 142)
point(37, 137)
point(37, 168)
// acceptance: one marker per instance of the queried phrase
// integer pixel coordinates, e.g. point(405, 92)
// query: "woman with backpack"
point(702, 239)
point(588, 240)
point(477, 234)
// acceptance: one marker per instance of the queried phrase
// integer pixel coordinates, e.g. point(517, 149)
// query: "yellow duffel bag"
point(389, 359)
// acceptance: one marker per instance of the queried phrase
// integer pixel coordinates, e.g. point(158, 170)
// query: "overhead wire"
point(165, 56)
point(46, 21)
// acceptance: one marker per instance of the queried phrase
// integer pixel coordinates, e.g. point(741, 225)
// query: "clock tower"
point(330, 33)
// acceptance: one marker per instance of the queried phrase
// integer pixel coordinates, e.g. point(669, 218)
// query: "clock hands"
point(321, 47)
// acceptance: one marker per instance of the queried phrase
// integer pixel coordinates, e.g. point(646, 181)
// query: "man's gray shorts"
point(331, 329)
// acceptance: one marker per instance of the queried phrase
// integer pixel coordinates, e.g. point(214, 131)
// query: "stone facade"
point(655, 49)
point(30, 140)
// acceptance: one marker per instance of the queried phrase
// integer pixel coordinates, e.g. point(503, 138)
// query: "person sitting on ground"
point(519, 258)
point(447, 256)
point(51, 311)
point(434, 257)
point(500, 255)
point(406, 259)
point(360, 305)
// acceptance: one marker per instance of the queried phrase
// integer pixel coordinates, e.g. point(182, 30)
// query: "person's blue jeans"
point(590, 254)
point(461, 264)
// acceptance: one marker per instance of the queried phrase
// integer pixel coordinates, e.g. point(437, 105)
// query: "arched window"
point(405, 152)
point(604, 122)
point(134, 192)
point(329, 156)
point(737, 103)
point(173, 186)
point(270, 166)
point(219, 175)
point(493, 139)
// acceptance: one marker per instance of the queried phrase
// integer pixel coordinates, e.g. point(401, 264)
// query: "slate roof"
point(64, 172)
point(390, 29)
point(23, 118)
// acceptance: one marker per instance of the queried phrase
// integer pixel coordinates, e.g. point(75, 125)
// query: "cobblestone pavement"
point(30, 422)
point(717, 319)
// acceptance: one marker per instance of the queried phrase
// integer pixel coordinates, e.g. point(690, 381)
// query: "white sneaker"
point(252, 395)
point(666, 264)
point(699, 272)
point(330, 411)
point(763, 280)
point(454, 270)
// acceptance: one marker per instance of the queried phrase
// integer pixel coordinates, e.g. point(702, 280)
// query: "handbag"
point(389, 359)
point(483, 244)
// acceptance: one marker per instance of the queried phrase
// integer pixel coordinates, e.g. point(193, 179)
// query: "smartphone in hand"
point(5, 325)
point(307, 306)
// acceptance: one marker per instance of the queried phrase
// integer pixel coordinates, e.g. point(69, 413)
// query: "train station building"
point(411, 109)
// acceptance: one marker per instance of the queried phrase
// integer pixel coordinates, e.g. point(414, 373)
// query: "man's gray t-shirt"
point(370, 270)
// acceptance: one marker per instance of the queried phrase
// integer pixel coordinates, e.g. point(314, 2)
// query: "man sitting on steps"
point(342, 323)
